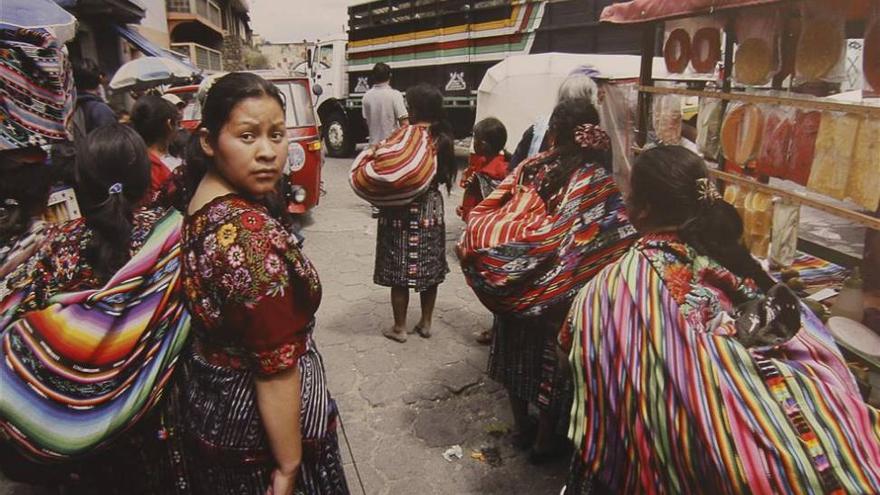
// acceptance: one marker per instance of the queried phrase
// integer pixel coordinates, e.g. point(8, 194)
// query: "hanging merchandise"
point(757, 222)
point(821, 51)
point(871, 54)
point(803, 145)
point(835, 144)
point(709, 127)
point(784, 236)
point(677, 50)
point(756, 59)
point(736, 196)
point(864, 176)
point(741, 133)
point(773, 159)
point(706, 49)
point(667, 119)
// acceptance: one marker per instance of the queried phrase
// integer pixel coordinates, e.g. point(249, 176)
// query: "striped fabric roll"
point(79, 372)
point(519, 256)
point(397, 170)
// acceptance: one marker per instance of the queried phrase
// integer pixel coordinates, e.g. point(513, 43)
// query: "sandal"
point(395, 336)
point(423, 332)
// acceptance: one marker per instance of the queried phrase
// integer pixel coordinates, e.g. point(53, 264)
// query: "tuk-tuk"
point(304, 159)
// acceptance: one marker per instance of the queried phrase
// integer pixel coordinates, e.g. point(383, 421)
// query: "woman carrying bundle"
point(411, 239)
point(529, 247)
point(694, 373)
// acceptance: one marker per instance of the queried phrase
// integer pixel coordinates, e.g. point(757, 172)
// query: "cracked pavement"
point(403, 405)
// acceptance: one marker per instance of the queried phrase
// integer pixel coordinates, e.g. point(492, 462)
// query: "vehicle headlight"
point(296, 157)
point(299, 194)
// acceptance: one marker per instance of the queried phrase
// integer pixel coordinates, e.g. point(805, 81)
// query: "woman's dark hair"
point(177, 146)
point(24, 194)
point(664, 185)
point(150, 117)
point(566, 117)
point(425, 104)
point(227, 92)
point(492, 132)
point(112, 154)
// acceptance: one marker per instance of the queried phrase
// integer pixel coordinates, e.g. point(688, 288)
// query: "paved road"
point(403, 405)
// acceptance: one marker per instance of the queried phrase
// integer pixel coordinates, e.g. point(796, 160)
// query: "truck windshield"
point(299, 104)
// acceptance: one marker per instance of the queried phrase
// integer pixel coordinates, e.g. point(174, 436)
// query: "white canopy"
point(522, 88)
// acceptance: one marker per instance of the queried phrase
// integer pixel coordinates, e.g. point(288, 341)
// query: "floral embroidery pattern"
point(234, 259)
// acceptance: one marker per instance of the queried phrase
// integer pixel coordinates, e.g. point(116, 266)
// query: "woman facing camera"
point(694, 373)
point(257, 415)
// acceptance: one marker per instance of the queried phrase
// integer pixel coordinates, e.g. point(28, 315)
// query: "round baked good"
point(741, 134)
point(706, 49)
point(820, 48)
point(677, 51)
point(753, 62)
point(871, 57)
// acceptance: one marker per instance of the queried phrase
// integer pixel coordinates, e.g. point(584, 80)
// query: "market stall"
point(779, 130)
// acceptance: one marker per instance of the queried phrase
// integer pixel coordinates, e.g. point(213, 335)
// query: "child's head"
point(490, 136)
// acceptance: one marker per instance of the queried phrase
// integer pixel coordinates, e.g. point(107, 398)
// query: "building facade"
point(214, 34)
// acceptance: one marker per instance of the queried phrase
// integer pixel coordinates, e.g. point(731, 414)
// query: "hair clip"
point(707, 193)
point(116, 188)
point(591, 136)
point(10, 202)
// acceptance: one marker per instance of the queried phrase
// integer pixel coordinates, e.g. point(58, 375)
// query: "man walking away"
point(384, 108)
point(91, 110)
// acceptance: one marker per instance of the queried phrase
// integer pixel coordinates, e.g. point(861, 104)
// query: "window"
point(298, 104)
point(325, 56)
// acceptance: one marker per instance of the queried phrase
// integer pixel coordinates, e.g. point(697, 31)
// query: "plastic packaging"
point(783, 247)
point(835, 144)
point(803, 145)
point(667, 119)
point(757, 222)
point(871, 54)
point(863, 184)
point(756, 59)
point(741, 133)
point(821, 50)
point(773, 159)
point(709, 120)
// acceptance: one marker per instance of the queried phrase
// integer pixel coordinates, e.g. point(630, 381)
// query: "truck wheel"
point(337, 139)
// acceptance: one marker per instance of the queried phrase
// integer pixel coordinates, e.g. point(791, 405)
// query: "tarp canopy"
point(147, 47)
point(637, 11)
point(520, 89)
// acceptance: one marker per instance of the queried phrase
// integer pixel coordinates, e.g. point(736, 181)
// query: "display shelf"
point(807, 103)
point(800, 198)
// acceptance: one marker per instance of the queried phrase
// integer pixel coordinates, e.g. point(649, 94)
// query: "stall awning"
point(147, 47)
point(637, 11)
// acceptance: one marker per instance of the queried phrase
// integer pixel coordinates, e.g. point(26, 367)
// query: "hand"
point(282, 484)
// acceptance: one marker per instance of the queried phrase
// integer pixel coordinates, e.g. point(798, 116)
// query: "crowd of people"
point(634, 330)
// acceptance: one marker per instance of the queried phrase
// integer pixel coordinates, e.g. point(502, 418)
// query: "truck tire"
point(337, 137)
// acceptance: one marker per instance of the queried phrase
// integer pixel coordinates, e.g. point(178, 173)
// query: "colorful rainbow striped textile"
point(79, 372)
point(817, 273)
point(521, 256)
point(667, 400)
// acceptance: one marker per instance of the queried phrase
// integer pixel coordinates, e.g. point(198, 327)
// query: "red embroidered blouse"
point(252, 293)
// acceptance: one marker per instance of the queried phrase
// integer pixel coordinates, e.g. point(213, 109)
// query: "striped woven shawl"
point(80, 371)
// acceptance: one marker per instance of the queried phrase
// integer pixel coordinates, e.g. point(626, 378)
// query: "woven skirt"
point(522, 358)
point(226, 446)
point(411, 244)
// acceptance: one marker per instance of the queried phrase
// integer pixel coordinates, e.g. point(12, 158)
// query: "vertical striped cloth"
point(85, 368)
point(397, 170)
point(521, 256)
point(667, 400)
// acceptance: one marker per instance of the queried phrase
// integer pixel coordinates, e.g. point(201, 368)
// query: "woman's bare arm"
point(278, 399)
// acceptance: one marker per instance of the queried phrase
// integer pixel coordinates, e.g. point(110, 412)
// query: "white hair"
point(578, 84)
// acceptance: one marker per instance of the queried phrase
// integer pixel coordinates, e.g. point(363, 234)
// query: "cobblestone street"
point(403, 405)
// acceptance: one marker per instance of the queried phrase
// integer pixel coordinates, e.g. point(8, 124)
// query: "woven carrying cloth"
point(82, 370)
point(519, 256)
point(36, 89)
point(396, 170)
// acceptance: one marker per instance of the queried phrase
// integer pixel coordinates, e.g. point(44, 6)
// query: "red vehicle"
point(304, 159)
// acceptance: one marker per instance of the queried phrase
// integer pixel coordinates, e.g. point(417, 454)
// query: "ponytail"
point(441, 132)
point(670, 185)
point(113, 176)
